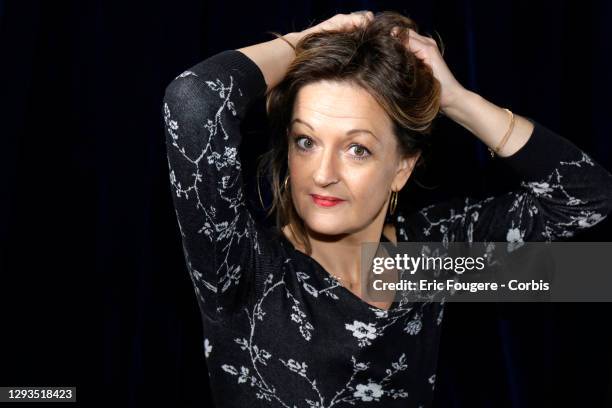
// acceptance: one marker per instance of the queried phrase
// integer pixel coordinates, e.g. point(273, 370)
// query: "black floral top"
point(279, 330)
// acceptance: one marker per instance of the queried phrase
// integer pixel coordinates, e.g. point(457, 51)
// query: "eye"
point(306, 145)
point(362, 152)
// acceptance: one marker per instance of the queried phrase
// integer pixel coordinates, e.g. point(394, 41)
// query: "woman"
point(284, 320)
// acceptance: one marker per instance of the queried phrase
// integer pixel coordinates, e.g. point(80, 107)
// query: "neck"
point(340, 255)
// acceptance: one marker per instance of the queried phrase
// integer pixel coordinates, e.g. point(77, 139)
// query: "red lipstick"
point(326, 201)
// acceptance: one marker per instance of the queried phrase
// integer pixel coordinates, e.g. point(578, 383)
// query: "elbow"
point(567, 221)
point(589, 209)
point(185, 103)
point(182, 90)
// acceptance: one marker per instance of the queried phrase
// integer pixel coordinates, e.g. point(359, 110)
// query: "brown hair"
point(371, 58)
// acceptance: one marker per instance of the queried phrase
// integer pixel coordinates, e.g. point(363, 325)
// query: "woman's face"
point(328, 157)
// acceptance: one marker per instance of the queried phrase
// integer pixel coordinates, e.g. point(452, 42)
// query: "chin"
point(327, 225)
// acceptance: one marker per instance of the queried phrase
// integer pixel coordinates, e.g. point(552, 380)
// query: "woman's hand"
point(426, 50)
point(342, 22)
point(485, 120)
point(274, 56)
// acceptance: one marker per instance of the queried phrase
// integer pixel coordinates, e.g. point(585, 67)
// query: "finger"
point(418, 47)
point(361, 17)
point(423, 44)
point(414, 34)
point(411, 43)
point(422, 38)
point(368, 14)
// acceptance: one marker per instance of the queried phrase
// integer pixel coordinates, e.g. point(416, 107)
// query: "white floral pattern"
point(364, 332)
point(414, 326)
point(279, 331)
point(544, 210)
point(368, 392)
point(207, 348)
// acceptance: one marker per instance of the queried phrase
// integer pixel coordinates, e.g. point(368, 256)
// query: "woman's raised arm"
point(562, 190)
point(203, 108)
point(273, 57)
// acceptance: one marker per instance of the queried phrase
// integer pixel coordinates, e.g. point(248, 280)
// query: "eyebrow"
point(350, 132)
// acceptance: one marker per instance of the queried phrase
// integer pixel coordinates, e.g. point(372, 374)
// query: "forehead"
point(337, 105)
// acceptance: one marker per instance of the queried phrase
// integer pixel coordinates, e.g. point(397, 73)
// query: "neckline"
point(326, 274)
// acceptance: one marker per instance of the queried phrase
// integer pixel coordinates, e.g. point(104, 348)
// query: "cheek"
point(301, 167)
point(369, 186)
point(297, 169)
point(362, 182)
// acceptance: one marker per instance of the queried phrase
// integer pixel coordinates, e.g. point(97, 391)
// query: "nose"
point(326, 171)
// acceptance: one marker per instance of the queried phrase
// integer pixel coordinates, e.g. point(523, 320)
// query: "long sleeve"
point(562, 191)
point(203, 108)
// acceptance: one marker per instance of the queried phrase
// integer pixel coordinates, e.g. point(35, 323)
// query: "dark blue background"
point(93, 285)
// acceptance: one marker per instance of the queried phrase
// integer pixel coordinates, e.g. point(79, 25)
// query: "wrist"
point(294, 37)
point(462, 106)
point(456, 101)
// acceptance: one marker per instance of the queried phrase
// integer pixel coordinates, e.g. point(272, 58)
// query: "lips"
point(326, 201)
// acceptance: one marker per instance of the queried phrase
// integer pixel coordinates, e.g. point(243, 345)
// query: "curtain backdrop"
point(93, 285)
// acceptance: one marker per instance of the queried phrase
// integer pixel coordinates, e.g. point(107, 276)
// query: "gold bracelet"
point(506, 136)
